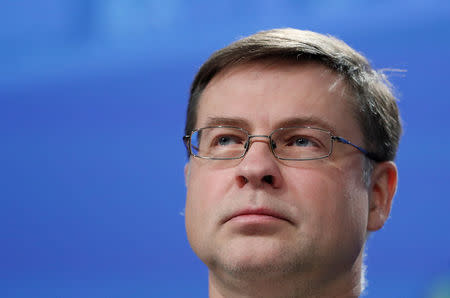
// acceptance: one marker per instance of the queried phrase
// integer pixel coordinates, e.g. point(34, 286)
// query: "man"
point(291, 136)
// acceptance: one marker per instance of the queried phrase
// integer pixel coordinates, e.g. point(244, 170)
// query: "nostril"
point(241, 180)
point(268, 179)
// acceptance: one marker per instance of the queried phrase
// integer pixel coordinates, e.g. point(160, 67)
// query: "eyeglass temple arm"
point(370, 155)
point(186, 140)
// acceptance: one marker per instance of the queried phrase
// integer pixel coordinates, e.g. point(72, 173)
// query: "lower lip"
point(256, 224)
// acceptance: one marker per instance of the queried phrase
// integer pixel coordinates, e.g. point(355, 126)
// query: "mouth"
point(259, 214)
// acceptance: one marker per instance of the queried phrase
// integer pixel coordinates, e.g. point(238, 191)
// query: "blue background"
point(92, 109)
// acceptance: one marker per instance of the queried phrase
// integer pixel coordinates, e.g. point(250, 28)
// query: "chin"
point(255, 257)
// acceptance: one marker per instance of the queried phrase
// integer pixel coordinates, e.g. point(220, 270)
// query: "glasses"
point(287, 143)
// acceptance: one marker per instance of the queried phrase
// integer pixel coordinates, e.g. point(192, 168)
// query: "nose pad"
point(247, 144)
point(273, 145)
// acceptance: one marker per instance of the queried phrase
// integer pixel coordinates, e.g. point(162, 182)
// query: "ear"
point(187, 173)
point(382, 190)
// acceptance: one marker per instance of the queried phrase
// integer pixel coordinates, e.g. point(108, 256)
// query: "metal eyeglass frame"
point(187, 143)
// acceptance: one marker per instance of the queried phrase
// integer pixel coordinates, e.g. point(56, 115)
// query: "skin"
point(315, 249)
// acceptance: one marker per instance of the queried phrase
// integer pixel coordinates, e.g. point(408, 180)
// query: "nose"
point(259, 168)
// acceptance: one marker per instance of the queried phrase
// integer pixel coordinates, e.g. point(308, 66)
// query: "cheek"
point(205, 190)
point(313, 188)
point(205, 186)
point(330, 199)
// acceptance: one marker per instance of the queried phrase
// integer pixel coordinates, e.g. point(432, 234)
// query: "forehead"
point(265, 95)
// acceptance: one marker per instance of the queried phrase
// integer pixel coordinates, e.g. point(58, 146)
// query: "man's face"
point(261, 214)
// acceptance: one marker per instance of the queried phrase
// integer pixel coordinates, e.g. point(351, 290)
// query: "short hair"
point(374, 104)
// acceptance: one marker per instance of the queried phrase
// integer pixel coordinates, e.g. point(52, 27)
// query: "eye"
point(301, 141)
point(227, 140)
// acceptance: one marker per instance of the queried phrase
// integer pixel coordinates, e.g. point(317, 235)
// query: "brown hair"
point(375, 105)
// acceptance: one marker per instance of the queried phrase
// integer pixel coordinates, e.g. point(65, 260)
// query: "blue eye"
point(223, 141)
point(302, 142)
point(228, 140)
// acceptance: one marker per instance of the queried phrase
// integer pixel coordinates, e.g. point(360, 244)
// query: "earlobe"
point(187, 172)
point(382, 190)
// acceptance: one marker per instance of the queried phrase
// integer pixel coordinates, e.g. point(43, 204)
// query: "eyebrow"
point(307, 121)
point(289, 122)
point(228, 121)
